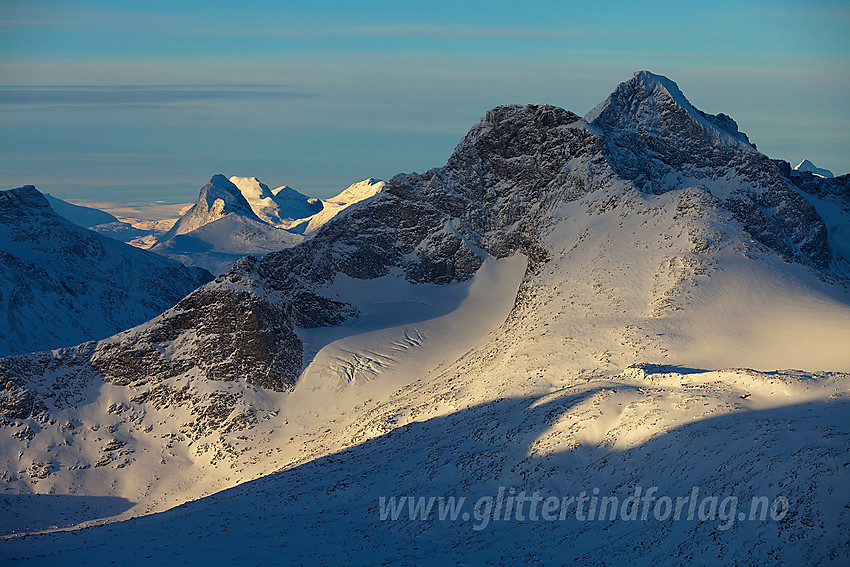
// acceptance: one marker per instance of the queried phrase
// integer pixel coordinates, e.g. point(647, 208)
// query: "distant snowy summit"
point(242, 216)
point(217, 199)
point(279, 207)
point(222, 227)
point(806, 165)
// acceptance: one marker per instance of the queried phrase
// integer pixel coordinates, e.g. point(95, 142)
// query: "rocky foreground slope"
point(645, 250)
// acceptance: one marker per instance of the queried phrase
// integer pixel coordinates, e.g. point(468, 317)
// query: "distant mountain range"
point(245, 218)
point(241, 216)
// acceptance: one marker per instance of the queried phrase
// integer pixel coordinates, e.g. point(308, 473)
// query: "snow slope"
point(82, 216)
point(216, 245)
point(62, 284)
point(668, 430)
point(148, 441)
point(136, 232)
point(331, 207)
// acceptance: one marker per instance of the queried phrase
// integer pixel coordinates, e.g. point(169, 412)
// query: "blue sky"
point(140, 101)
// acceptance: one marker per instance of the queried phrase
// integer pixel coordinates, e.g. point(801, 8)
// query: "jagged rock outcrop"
point(822, 187)
point(231, 335)
point(655, 138)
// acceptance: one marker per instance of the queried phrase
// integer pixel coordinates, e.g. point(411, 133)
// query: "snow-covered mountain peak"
point(293, 205)
point(217, 198)
point(330, 208)
point(221, 196)
point(22, 198)
point(282, 189)
point(655, 104)
point(252, 188)
point(654, 138)
point(642, 87)
point(807, 165)
point(278, 207)
point(232, 218)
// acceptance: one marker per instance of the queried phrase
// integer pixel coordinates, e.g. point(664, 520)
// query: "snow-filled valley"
point(571, 312)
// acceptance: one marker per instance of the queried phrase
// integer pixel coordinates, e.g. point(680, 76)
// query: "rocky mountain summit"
point(657, 140)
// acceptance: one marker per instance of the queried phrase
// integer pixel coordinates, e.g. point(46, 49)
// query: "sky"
point(132, 102)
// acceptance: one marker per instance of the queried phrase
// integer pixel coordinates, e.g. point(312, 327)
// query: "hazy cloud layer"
point(146, 96)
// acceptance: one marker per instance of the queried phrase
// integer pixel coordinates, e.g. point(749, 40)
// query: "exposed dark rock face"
point(654, 137)
point(33, 384)
point(812, 184)
point(235, 335)
point(491, 197)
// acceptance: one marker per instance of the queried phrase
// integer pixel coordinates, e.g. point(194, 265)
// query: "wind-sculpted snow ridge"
point(61, 284)
point(551, 258)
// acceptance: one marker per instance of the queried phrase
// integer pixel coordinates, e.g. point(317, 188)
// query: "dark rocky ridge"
point(812, 184)
point(237, 336)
